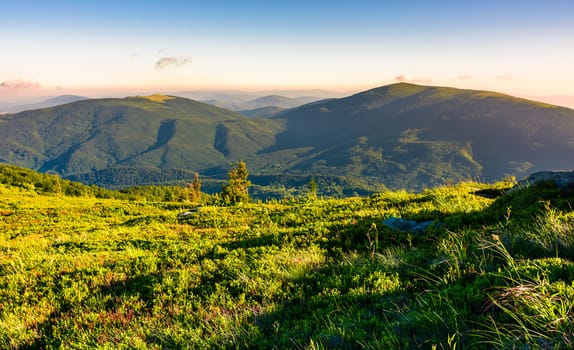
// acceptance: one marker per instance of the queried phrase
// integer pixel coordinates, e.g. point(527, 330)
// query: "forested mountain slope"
point(412, 136)
point(400, 135)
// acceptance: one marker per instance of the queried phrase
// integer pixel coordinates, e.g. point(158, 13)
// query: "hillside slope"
point(401, 135)
point(411, 136)
point(154, 131)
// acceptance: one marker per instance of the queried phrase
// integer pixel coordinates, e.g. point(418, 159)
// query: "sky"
point(520, 47)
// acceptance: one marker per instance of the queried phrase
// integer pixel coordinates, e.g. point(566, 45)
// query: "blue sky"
point(519, 47)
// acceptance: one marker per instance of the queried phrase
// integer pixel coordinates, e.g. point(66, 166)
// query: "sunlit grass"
point(157, 98)
point(82, 272)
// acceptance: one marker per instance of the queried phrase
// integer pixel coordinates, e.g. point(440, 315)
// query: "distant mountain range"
point(50, 102)
point(262, 112)
point(401, 135)
point(263, 103)
point(228, 99)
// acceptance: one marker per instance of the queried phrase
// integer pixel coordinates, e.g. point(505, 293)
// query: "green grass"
point(86, 272)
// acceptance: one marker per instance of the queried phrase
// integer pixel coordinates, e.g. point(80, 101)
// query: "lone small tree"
point(236, 189)
point(194, 189)
point(312, 188)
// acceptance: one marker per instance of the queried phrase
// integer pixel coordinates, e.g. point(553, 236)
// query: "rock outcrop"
point(404, 225)
point(564, 179)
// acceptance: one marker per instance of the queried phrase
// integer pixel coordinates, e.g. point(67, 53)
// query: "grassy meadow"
point(493, 271)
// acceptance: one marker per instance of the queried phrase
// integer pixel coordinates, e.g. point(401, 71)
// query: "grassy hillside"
point(85, 272)
point(49, 184)
point(154, 131)
point(412, 136)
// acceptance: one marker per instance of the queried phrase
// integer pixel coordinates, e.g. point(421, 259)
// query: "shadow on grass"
point(339, 306)
point(68, 322)
point(375, 288)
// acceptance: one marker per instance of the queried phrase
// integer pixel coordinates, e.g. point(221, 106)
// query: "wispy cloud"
point(464, 77)
point(405, 78)
point(19, 84)
point(165, 62)
point(504, 76)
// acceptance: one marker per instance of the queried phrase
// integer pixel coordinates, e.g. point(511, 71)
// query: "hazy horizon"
point(522, 48)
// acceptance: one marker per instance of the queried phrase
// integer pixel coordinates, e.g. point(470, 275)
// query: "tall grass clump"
point(534, 309)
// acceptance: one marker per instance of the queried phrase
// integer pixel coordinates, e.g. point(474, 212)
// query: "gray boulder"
point(188, 213)
point(404, 225)
point(564, 179)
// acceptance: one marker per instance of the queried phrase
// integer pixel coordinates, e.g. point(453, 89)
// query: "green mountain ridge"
point(400, 135)
point(408, 134)
point(138, 131)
